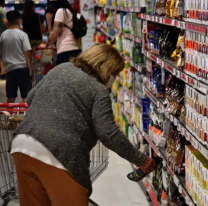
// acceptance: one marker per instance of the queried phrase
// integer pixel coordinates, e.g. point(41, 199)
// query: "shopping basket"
point(43, 60)
point(10, 117)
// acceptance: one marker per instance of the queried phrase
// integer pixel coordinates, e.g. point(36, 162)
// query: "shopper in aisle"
point(52, 7)
point(3, 21)
point(15, 54)
point(3, 26)
point(32, 23)
point(67, 45)
point(52, 145)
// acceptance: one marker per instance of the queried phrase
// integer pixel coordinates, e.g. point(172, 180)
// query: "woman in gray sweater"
point(70, 110)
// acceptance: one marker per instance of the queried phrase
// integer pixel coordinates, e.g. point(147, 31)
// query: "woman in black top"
point(52, 7)
point(32, 23)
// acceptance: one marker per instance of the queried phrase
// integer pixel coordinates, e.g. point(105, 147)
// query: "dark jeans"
point(65, 56)
point(18, 78)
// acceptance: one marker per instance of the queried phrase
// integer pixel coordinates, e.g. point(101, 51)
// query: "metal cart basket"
point(43, 60)
point(10, 117)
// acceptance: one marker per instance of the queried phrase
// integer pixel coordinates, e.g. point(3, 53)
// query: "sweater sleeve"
point(109, 133)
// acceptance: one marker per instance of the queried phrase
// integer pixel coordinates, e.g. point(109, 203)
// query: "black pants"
point(65, 56)
point(18, 78)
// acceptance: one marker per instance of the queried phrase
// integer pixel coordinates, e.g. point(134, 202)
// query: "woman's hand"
point(148, 166)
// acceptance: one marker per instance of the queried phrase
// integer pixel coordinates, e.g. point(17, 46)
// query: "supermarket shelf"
point(151, 192)
point(195, 141)
point(105, 33)
point(132, 37)
point(119, 8)
point(136, 100)
point(175, 23)
point(172, 68)
point(138, 67)
point(22, 2)
point(160, 152)
point(181, 188)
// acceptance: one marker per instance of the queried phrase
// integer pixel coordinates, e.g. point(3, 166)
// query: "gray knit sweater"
point(69, 112)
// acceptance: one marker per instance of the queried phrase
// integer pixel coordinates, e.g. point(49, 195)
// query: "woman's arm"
point(110, 135)
point(49, 18)
point(57, 29)
point(43, 27)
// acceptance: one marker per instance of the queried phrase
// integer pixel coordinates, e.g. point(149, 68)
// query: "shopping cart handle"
point(12, 105)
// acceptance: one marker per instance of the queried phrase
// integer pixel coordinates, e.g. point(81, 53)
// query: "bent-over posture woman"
point(70, 110)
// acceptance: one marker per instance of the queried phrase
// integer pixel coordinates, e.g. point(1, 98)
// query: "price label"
point(16, 2)
point(163, 64)
point(186, 134)
point(153, 18)
point(186, 78)
point(160, 20)
point(182, 131)
point(179, 189)
point(142, 16)
point(176, 180)
point(156, 18)
point(187, 200)
point(175, 121)
point(195, 84)
point(174, 72)
point(148, 54)
point(173, 22)
point(194, 142)
point(159, 61)
point(179, 127)
point(164, 163)
point(178, 74)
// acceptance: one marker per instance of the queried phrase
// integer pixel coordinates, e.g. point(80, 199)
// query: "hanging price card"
point(179, 127)
point(182, 131)
point(173, 22)
point(179, 189)
point(175, 121)
point(176, 180)
point(171, 118)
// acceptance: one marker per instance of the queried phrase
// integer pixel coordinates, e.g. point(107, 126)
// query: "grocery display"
point(160, 99)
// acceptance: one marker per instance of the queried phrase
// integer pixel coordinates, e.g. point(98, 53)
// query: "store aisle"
point(112, 188)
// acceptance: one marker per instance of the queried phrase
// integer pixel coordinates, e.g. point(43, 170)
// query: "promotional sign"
point(87, 10)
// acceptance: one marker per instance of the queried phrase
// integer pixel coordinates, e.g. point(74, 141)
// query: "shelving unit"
point(188, 78)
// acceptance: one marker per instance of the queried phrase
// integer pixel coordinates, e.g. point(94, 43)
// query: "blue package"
point(145, 106)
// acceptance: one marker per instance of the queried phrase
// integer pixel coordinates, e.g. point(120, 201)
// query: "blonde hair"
point(101, 60)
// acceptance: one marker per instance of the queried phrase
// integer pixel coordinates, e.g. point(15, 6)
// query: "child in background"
point(15, 55)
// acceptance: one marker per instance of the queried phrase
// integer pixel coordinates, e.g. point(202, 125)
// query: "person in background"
point(3, 21)
point(32, 24)
point(15, 54)
point(76, 6)
point(3, 26)
point(52, 7)
point(52, 145)
point(67, 45)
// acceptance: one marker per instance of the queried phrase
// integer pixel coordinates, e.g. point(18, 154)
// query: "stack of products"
point(168, 43)
point(163, 107)
point(196, 55)
point(196, 175)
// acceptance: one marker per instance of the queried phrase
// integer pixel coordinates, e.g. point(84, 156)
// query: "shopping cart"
point(43, 60)
point(10, 117)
